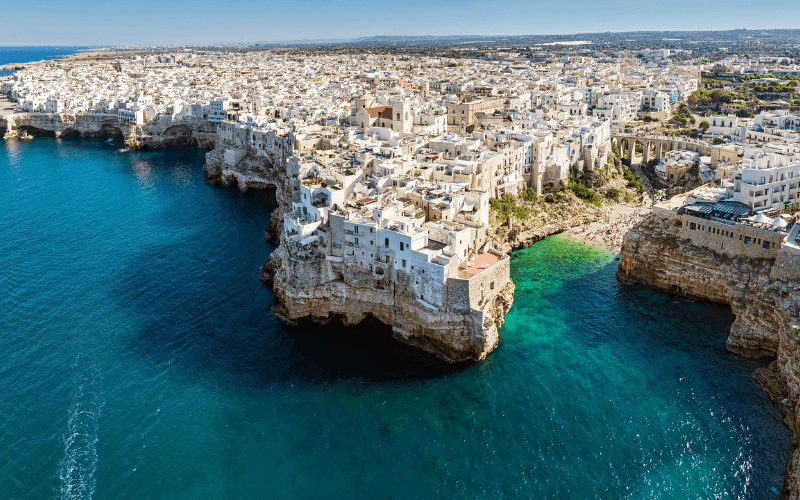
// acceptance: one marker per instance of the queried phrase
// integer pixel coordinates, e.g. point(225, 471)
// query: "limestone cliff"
point(155, 134)
point(326, 288)
point(764, 294)
point(523, 235)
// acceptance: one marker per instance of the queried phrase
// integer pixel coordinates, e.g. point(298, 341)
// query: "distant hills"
point(534, 39)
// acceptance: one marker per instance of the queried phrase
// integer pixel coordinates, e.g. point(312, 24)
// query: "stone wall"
point(484, 286)
point(734, 240)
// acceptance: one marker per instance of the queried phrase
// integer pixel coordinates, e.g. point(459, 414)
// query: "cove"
point(140, 360)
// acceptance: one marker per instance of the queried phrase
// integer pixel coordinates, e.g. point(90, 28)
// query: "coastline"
point(154, 134)
point(364, 369)
point(622, 218)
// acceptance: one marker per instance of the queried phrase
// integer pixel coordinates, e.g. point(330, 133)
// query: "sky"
point(177, 22)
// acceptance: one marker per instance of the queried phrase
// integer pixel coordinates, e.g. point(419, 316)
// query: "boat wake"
point(76, 470)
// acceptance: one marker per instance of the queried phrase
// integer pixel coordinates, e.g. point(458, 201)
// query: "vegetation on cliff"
point(517, 221)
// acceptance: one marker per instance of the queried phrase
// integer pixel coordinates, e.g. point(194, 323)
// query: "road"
point(6, 107)
point(648, 188)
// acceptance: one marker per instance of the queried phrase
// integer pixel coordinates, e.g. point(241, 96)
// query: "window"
point(387, 259)
point(765, 245)
point(386, 242)
point(404, 262)
point(402, 247)
point(491, 285)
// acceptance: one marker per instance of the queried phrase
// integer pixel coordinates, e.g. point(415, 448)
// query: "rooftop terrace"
point(481, 263)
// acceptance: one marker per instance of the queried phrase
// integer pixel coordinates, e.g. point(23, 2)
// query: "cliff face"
point(155, 134)
point(524, 235)
point(324, 288)
point(764, 294)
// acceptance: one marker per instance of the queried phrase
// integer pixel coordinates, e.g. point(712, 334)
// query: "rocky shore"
point(155, 134)
point(764, 294)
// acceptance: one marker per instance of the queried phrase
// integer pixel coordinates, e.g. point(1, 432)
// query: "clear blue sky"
point(151, 22)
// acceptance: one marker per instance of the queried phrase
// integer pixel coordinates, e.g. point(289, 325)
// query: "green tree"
point(705, 125)
point(615, 149)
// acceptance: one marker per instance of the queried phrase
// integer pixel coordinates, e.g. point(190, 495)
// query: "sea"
point(140, 361)
point(22, 54)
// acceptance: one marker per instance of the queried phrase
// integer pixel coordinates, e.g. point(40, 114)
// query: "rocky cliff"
point(324, 289)
point(155, 134)
point(523, 235)
point(764, 294)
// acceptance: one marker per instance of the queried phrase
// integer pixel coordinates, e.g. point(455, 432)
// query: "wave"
point(77, 469)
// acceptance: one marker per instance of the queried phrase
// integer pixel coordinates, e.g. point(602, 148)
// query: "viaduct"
point(657, 146)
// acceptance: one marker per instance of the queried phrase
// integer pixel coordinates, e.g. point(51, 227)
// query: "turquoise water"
point(139, 360)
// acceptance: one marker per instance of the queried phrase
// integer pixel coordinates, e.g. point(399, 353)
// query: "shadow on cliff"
point(200, 306)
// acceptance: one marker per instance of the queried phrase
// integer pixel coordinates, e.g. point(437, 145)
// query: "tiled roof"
point(379, 111)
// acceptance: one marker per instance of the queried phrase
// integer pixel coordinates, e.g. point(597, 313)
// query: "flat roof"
point(481, 263)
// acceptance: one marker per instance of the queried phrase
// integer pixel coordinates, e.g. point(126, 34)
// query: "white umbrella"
point(777, 221)
point(760, 219)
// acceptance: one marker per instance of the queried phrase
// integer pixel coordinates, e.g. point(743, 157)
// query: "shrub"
point(615, 149)
point(613, 193)
point(529, 195)
point(584, 193)
point(507, 205)
point(633, 180)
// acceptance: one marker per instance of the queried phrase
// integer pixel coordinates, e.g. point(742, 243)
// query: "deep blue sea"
point(28, 54)
point(140, 361)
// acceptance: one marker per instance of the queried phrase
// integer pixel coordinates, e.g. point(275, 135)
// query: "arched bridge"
point(656, 146)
